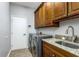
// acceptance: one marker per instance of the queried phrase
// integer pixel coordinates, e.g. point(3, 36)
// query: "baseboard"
point(9, 53)
point(18, 49)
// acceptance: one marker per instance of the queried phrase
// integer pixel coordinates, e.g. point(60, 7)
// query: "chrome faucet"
point(72, 30)
point(73, 36)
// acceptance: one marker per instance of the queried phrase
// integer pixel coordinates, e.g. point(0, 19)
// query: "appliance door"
point(30, 42)
point(34, 47)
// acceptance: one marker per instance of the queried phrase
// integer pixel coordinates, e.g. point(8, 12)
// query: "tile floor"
point(20, 53)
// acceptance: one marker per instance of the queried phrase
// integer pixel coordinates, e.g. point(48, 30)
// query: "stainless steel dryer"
point(37, 44)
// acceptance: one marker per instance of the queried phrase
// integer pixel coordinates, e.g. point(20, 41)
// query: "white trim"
point(9, 53)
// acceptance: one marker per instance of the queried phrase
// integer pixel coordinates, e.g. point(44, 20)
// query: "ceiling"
point(32, 5)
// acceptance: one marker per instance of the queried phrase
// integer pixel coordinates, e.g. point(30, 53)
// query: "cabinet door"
point(45, 15)
point(36, 19)
point(60, 10)
point(42, 16)
point(47, 52)
point(73, 8)
point(49, 10)
point(53, 51)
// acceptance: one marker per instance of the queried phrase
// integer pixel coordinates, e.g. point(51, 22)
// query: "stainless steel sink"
point(67, 44)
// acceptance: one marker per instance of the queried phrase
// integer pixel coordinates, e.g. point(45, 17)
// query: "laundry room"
point(39, 29)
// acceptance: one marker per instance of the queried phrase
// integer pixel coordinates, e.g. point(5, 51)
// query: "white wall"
point(5, 42)
point(24, 12)
point(62, 28)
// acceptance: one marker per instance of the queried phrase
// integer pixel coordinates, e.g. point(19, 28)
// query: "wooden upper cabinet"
point(60, 10)
point(42, 16)
point(49, 10)
point(37, 19)
point(51, 13)
point(73, 8)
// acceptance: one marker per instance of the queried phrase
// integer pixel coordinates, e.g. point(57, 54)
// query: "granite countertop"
point(52, 41)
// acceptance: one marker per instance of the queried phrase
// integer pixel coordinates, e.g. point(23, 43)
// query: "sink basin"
point(67, 44)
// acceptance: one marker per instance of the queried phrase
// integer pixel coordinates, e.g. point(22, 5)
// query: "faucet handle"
point(74, 38)
point(66, 32)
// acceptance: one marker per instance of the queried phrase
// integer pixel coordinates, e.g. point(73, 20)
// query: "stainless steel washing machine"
point(37, 44)
point(35, 47)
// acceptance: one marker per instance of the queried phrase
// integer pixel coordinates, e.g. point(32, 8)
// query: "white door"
point(19, 33)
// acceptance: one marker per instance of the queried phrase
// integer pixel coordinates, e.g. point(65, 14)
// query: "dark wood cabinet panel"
point(60, 10)
point(49, 10)
point(73, 8)
point(53, 51)
point(46, 16)
point(69, 11)
point(49, 13)
point(42, 16)
point(37, 19)
point(48, 52)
